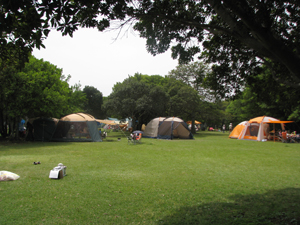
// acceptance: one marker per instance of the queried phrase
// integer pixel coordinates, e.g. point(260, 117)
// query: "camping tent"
point(167, 128)
point(151, 129)
point(77, 127)
point(41, 129)
point(235, 133)
point(257, 128)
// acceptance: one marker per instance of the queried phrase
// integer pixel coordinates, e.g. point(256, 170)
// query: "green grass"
point(209, 180)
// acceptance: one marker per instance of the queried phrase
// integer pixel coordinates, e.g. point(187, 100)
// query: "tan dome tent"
point(167, 128)
point(77, 127)
point(151, 129)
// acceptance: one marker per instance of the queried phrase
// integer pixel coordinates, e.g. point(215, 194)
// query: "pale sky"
point(94, 58)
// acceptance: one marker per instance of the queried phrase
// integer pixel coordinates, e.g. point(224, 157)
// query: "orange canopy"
point(196, 122)
point(280, 121)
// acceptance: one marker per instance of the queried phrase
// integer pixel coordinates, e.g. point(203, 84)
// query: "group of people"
point(224, 128)
point(290, 137)
point(283, 135)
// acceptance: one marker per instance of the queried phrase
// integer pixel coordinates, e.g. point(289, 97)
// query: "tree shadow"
point(202, 134)
point(32, 144)
point(273, 207)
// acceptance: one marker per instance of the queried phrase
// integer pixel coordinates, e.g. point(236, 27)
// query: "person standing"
point(224, 128)
point(230, 127)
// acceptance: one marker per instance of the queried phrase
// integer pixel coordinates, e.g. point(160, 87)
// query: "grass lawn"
point(208, 180)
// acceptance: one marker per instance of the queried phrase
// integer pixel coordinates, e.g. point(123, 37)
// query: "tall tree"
point(77, 100)
point(280, 101)
point(194, 74)
point(137, 100)
point(212, 114)
point(245, 107)
point(186, 104)
point(45, 92)
point(39, 89)
point(94, 101)
point(153, 80)
point(238, 36)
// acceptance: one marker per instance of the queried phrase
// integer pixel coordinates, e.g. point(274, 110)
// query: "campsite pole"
point(274, 131)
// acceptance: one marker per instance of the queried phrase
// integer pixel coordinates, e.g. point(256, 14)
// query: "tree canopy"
point(137, 100)
point(144, 97)
point(237, 36)
point(94, 101)
point(194, 74)
point(38, 90)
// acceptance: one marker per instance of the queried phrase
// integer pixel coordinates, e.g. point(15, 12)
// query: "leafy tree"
point(247, 106)
point(8, 77)
point(194, 75)
point(238, 36)
point(45, 93)
point(265, 96)
point(39, 90)
point(153, 80)
point(94, 101)
point(281, 101)
point(186, 104)
point(76, 101)
point(137, 100)
point(212, 114)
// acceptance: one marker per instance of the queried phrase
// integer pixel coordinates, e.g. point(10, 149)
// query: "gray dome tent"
point(167, 128)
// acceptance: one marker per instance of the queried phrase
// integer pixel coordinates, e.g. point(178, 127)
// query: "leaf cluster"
point(143, 97)
point(238, 36)
point(38, 90)
point(94, 101)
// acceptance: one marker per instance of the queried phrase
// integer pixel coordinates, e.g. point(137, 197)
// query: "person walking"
point(230, 127)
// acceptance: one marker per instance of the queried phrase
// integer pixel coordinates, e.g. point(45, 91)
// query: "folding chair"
point(130, 140)
point(283, 137)
point(138, 138)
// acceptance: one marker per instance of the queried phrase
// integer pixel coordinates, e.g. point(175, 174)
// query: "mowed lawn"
point(208, 180)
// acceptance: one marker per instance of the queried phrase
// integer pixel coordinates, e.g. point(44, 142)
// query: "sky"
point(101, 59)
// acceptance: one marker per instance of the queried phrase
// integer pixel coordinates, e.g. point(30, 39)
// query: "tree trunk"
point(133, 123)
point(17, 135)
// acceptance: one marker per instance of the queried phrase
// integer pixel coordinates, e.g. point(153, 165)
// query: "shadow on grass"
point(110, 139)
point(202, 134)
point(273, 207)
point(36, 144)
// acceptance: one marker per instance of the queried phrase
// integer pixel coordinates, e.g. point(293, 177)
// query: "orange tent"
point(257, 129)
point(235, 133)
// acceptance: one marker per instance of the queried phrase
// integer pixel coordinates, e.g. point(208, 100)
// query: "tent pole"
point(274, 131)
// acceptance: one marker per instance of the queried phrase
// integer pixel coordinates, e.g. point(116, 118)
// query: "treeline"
point(41, 90)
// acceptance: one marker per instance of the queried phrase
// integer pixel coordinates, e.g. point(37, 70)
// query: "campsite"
point(93, 131)
point(210, 179)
